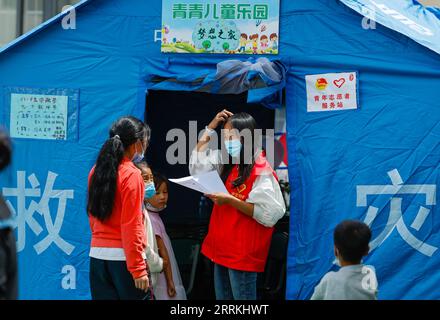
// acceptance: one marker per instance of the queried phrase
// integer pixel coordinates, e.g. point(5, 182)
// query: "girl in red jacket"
point(118, 269)
point(242, 220)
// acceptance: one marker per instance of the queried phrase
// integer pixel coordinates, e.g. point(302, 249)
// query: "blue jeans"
point(234, 284)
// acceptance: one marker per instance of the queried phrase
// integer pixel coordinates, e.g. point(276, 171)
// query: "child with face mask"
point(169, 283)
point(155, 262)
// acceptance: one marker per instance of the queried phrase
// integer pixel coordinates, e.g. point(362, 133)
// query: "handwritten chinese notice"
point(220, 26)
point(331, 91)
point(36, 116)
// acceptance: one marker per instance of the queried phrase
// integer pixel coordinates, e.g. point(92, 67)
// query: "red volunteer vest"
point(235, 240)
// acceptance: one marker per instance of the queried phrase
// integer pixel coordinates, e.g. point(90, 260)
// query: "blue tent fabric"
point(407, 17)
point(336, 159)
point(331, 155)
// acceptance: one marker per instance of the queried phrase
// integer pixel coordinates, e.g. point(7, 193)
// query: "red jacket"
point(125, 228)
point(235, 240)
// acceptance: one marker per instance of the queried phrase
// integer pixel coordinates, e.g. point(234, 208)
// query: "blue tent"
point(378, 163)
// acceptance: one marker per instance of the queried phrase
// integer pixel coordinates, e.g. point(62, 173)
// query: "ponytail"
point(102, 189)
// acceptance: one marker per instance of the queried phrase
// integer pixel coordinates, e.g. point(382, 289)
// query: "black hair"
point(158, 179)
point(241, 121)
point(123, 133)
point(5, 150)
point(142, 164)
point(351, 238)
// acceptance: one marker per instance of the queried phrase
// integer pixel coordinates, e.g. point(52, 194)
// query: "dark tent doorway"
point(167, 110)
point(187, 214)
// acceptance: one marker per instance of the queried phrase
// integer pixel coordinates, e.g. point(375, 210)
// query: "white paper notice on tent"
point(332, 91)
point(208, 182)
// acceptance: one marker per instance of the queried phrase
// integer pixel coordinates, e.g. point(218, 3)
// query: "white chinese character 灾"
point(395, 218)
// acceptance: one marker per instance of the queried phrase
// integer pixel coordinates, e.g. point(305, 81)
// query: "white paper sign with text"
point(332, 91)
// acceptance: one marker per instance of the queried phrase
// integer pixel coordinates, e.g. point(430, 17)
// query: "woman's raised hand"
point(222, 116)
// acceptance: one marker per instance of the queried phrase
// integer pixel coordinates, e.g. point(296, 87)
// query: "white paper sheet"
point(332, 91)
point(209, 182)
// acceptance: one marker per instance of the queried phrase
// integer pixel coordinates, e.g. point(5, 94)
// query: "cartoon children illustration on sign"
point(243, 42)
point(254, 40)
point(165, 31)
point(264, 43)
point(274, 40)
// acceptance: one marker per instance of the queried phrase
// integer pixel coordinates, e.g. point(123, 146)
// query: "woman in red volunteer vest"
point(118, 269)
point(242, 220)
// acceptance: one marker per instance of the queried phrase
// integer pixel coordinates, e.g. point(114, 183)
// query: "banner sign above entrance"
point(220, 26)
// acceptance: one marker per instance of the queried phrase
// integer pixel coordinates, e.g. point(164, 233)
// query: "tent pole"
point(20, 17)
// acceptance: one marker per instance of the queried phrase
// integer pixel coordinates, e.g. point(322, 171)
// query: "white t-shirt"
point(155, 262)
point(357, 282)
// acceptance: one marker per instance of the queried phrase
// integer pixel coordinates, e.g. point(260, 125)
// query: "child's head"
point(146, 172)
point(254, 37)
point(273, 37)
point(351, 240)
point(160, 199)
point(263, 38)
point(147, 175)
point(244, 36)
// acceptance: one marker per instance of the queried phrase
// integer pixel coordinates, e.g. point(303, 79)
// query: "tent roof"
point(427, 18)
point(408, 17)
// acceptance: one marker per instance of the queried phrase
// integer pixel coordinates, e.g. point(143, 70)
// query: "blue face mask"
point(138, 157)
point(233, 147)
point(150, 190)
point(150, 207)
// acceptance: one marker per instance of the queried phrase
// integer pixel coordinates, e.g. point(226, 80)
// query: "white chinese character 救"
point(25, 216)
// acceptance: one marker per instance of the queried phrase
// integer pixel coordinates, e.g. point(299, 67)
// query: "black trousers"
point(111, 280)
point(8, 266)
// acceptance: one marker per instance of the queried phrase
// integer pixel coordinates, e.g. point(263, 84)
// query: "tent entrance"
point(187, 215)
